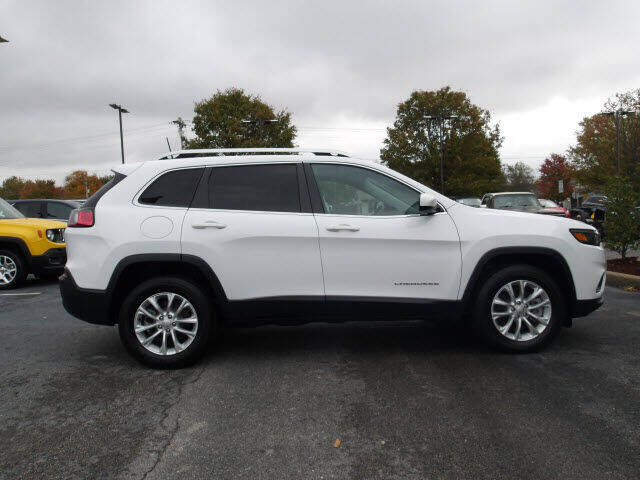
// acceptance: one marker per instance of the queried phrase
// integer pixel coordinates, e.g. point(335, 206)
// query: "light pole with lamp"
point(121, 110)
point(441, 122)
point(617, 115)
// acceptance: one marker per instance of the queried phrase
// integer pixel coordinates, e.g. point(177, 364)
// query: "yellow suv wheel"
point(12, 269)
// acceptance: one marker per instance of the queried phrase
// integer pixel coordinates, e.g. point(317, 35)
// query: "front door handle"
point(343, 226)
point(208, 224)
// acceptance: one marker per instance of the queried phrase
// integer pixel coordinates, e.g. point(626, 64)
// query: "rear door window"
point(172, 189)
point(58, 210)
point(261, 188)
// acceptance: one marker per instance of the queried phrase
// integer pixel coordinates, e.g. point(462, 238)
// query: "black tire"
point(21, 269)
point(483, 322)
point(205, 327)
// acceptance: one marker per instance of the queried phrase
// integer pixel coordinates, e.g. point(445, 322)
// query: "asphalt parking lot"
point(407, 400)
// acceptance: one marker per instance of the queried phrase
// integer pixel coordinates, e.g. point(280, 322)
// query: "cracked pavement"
point(407, 400)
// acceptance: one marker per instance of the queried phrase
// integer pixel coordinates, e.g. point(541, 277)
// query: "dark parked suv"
point(44, 208)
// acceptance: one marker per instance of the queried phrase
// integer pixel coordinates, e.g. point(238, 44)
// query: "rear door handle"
point(208, 224)
point(343, 226)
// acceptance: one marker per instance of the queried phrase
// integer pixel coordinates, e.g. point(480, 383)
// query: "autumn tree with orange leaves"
point(40, 189)
point(555, 168)
point(80, 184)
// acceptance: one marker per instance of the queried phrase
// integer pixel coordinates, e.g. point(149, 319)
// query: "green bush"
point(622, 223)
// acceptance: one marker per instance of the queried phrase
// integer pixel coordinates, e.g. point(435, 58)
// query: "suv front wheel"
point(519, 308)
point(166, 322)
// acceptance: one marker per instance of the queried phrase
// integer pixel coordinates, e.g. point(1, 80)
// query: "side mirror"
point(428, 204)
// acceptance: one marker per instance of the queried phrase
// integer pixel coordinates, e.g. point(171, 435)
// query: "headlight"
point(588, 237)
point(55, 235)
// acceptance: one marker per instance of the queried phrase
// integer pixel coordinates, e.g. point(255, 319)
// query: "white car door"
point(256, 232)
point(374, 243)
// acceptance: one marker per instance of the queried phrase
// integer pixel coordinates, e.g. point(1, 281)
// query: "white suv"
point(170, 249)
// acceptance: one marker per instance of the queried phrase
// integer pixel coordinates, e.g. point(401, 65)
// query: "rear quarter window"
point(172, 189)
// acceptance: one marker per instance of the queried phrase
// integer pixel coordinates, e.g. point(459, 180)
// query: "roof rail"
point(206, 152)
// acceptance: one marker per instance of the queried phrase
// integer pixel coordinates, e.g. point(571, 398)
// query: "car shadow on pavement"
point(414, 337)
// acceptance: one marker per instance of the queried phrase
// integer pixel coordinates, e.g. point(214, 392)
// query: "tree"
point(41, 189)
point(80, 184)
point(595, 154)
point(519, 177)
point(233, 119)
point(105, 178)
point(553, 169)
point(470, 143)
point(622, 222)
point(11, 188)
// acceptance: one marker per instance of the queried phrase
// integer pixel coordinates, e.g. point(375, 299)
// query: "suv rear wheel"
point(166, 322)
point(12, 269)
point(519, 308)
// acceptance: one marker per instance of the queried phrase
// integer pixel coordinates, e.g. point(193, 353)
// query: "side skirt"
point(298, 310)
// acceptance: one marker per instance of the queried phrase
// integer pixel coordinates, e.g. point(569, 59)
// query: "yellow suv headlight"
point(55, 235)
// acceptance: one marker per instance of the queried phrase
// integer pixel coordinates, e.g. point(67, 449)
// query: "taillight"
point(81, 218)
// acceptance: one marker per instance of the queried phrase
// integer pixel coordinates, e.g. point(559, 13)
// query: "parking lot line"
point(18, 294)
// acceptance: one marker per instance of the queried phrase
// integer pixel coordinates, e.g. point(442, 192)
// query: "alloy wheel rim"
point(521, 310)
point(165, 323)
point(8, 270)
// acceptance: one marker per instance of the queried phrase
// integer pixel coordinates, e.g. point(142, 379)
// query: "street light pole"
point(441, 119)
point(617, 115)
point(121, 110)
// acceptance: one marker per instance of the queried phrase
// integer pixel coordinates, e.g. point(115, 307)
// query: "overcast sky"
point(340, 67)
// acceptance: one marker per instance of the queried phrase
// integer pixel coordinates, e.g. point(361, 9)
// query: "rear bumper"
point(89, 305)
point(582, 308)
point(50, 262)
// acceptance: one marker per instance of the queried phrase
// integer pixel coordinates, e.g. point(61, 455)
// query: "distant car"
point(51, 209)
point(470, 201)
point(29, 245)
point(592, 208)
point(514, 201)
point(552, 208)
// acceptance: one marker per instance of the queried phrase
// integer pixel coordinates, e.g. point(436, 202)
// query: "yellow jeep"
point(29, 245)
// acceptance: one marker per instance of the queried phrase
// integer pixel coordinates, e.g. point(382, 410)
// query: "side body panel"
point(484, 230)
point(390, 257)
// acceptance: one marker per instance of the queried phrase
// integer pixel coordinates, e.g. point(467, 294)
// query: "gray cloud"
point(321, 60)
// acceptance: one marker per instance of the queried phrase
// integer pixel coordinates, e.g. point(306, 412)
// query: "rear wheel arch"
point(548, 260)
point(133, 270)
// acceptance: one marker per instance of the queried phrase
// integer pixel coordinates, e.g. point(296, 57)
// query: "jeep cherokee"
point(171, 249)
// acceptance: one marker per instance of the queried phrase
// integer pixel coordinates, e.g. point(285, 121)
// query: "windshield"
point(7, 211)
point(472, 201)
point(515, 200)
point(547, 203)
point(596, 199)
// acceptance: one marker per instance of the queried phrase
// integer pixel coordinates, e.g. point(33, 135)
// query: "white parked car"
point(172, 248)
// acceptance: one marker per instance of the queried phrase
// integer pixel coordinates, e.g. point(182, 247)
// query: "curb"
point(616, 279)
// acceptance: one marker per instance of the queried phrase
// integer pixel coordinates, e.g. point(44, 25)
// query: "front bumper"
point(582, 308)
point(89, 305)
point(50, 262)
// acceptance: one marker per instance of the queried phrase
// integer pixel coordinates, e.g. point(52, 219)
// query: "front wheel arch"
point(546, 259)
